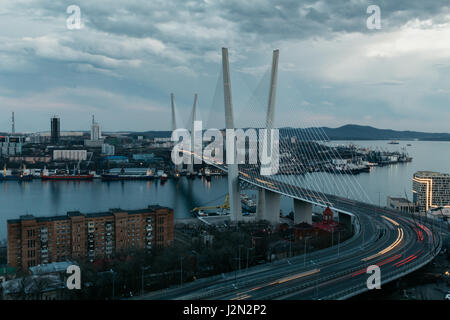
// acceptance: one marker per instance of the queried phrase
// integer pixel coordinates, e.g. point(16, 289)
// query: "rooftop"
point(426, 174)
point(150, 208)
point(401, 200)
point(54, 267)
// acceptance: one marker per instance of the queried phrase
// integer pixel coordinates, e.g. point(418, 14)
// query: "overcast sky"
point(130, 55)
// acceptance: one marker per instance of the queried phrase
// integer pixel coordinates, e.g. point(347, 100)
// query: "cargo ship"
point(16, 175)
point(65, 175)
point(123, 175)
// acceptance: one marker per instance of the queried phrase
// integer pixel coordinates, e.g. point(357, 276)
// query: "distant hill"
point(357, 132)
point(347, 132)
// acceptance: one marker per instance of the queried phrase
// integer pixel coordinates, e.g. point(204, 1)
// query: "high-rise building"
point(39, 240)
point(431, 190)
point(55, 130)
point(96, 132)
point(96, 140)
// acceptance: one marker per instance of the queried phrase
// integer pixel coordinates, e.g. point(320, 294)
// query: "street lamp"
point(239, 249)
point(197, 261)
point(304, 253)
point(332, 237)
point(247, 256)
point(181, 271)
point(339, 242)
point(113, 284)
point(317, 280)
point(142, 280)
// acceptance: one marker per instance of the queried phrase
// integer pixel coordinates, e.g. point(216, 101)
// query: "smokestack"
point(13, 128)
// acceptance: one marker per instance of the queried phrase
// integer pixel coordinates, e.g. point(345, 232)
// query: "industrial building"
point(10, 146)
point(401, 204)
point(108, 149)
point(69, 155)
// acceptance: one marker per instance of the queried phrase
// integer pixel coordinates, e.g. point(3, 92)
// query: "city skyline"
point(126, 59)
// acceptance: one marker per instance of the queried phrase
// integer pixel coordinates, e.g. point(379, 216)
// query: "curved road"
point(397, 243)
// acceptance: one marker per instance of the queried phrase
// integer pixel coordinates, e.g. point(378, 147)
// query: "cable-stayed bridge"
point(396, 242)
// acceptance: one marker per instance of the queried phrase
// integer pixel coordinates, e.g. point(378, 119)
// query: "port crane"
point(224, 206)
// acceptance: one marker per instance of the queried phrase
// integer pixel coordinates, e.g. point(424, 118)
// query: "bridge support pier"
point(302, 212)
point(260, 208)
point(234, 193)
point(233, 170)
point(268, 206)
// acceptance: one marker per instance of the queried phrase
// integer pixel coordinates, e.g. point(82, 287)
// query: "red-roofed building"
point(327, 223)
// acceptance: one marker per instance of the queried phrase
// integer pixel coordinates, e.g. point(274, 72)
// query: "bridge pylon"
point(178, 167)
point(233, 172)
point(268, 204)
point(194, 111)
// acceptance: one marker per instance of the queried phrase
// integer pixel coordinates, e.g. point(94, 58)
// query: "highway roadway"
point(396, 242)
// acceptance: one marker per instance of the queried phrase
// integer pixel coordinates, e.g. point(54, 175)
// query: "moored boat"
point(111, 176)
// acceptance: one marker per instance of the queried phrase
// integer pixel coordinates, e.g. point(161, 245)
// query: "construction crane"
point(224, 206)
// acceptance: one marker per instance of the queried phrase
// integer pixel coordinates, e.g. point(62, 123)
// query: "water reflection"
point(57, 197)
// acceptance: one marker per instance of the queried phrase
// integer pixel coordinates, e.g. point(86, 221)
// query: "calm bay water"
point(57, 197)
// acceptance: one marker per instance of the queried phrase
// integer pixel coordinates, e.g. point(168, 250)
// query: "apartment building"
point(40, 240)
point(431, 190)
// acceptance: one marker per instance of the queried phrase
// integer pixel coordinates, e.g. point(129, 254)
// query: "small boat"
point(190, 175)
point(393, 142)
point(208, 174)
point(163, 177)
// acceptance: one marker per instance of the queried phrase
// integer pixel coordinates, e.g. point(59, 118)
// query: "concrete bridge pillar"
point(194, 110)
point(268, 206)
point(233, 170)
point(260, 205)
point(302, 211)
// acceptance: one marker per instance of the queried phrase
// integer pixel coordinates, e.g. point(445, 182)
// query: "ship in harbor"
point(248, 204)
point(59, 175)
point(163, 177)
point(128, 175)
point(208, 174)
point(16, 175)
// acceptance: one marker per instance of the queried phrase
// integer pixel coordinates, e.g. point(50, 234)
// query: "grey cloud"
point(143, 49)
